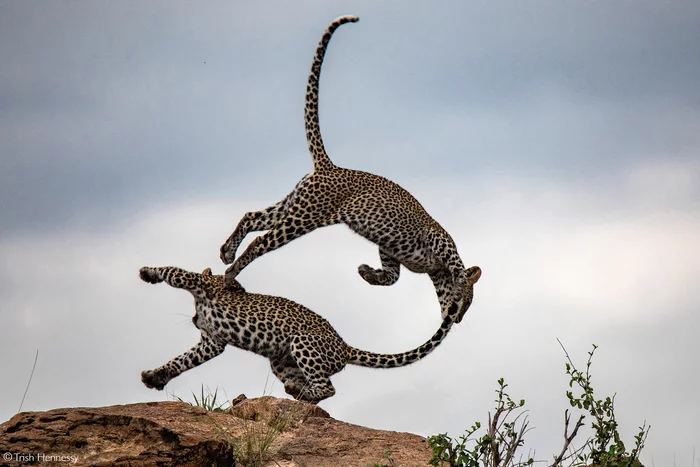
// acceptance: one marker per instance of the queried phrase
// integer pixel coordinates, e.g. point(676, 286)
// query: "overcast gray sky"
point(558, 142)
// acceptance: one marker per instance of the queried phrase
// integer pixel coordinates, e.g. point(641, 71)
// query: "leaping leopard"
point(372, 206)
point(303, 348)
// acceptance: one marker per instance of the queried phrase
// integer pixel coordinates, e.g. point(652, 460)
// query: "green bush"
point(506, 430)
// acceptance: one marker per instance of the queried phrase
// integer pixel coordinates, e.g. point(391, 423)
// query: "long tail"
point(378, 360)
point(313, 131)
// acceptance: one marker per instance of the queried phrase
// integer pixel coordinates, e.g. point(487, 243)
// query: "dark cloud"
point(110, 104)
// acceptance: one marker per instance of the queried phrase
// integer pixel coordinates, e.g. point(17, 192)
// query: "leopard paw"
point(150, 275)
point(154, 379)
point(369, 274)
point(228, 253)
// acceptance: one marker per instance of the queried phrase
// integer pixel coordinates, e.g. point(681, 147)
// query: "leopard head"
point(214, 283)
point(472, 276)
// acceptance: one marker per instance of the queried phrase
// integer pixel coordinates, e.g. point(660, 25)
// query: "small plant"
point(208, 401)
point(253, 449)
point(506, 429)
point(386, 457)
point(496, 448)
point(605, 448)
point(31, 375)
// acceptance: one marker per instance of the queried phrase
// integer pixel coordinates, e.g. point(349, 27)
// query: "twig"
point(567, 438)
point(515, 443)
point(493, 430)
point(31, 375)
point(565, 352)
point(577, 452)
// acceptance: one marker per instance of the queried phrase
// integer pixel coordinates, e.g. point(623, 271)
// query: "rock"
point(238, 399)
point(261, 432)
point(284, 413)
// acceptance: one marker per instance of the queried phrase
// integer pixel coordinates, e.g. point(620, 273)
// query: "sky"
point(557, 142)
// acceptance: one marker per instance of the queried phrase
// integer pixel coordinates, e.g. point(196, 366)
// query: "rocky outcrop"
point(253, 433)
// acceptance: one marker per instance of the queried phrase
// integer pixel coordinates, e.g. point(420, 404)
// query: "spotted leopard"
point(303, 348)
point(372, 206)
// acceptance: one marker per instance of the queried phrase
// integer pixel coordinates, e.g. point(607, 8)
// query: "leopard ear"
point(206, 272)
point(473, 274)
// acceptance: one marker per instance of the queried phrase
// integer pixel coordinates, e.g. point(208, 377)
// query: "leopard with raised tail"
point(372, 206)
point(303, 348)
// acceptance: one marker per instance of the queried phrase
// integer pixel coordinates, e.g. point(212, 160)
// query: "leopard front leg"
point(387, 275)
point(444, 249)
point(444, 285)
point(253, 222)
point(205, 350)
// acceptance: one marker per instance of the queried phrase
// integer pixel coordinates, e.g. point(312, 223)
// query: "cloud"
point(556, 264)
point(109, 105)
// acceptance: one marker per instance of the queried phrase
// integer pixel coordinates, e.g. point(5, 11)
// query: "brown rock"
point(238, 399)
point(284, 413)
point(288, 434)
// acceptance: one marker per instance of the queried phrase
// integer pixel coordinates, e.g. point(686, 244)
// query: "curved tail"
point(378, 360)
point(313, 131)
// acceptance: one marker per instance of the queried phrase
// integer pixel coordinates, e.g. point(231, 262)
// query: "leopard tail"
point(378, 360)
point(313, 131)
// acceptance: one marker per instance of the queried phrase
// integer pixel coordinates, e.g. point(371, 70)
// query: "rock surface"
point(288, 433)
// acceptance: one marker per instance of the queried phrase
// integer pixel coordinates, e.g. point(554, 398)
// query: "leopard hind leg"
point(286, 370)
point(314, 366)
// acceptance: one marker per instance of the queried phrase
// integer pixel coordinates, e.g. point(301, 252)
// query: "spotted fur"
point(372, 206)
point(303, 348)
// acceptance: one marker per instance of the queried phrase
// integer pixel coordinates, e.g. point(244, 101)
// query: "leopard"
point(370, 205)
point(303, 348)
